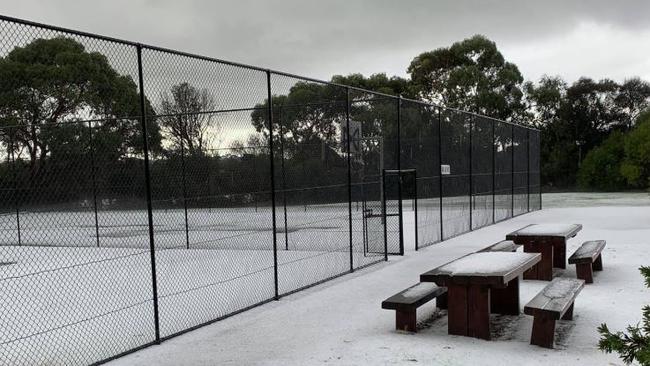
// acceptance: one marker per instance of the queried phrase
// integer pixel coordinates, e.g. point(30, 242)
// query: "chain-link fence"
point(146, 192)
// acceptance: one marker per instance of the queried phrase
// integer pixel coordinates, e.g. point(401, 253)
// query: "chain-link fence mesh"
point(534, 171)
point(482, 172)
point(455, 150)
point(419, 145)
point(146, 192)
point(503, 159)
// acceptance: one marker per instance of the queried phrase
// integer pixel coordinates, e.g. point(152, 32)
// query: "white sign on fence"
point(445, 169)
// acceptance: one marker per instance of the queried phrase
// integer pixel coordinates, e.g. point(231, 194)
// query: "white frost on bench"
point(419, 290)
point(505, 244)
point(486, 263)
point(561, 287)
point(546, 229)
point(587, 249)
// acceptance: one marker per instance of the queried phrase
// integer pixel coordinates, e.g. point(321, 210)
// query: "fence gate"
point(397, 186)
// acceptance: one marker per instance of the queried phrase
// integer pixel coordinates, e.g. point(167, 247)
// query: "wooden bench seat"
point(405, 303)
point(502, 246)
point(588, 258)
point(554, 302)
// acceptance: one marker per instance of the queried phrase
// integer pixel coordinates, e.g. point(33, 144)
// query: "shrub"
point(601, 168)
point(634, 344)
point(636, 166)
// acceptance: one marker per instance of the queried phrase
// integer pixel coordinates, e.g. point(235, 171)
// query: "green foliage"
point(307, 115)
point(49, 83)
point(575, 119)
point(470, 75)
point(381, 83)
point(601, 168)
point(636, 166)
point(633, 344)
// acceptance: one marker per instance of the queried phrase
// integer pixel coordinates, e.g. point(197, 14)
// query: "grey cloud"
point(319, 38)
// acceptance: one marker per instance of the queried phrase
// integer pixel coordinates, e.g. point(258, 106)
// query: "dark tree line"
point(70, 126)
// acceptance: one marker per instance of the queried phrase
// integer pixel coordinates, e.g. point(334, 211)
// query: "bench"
point(406, 302)
point(502, 246)
point(587, 259)
point(554, 302)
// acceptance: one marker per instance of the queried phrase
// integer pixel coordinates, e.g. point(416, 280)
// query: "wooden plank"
point(502, 246)
point(538, 230)
point(463, 270)
point(457, 311)
point(544, 269)
point(584, 271)
point(406, 320)
point(413, 297)
point(588, 252)
point(556, 298)
point(505, 300)
point(559, 253)
point(543, 333)
point(598, 263)
point(478, 314)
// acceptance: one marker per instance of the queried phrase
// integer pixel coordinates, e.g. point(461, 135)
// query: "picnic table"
point(550, 241)
point(479, 284)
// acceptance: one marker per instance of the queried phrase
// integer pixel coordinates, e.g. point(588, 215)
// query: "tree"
point(186, 118)
point(634, 344)
point(49, 84)
point(575, 119)
point(310, 114)
point(545, 99)
point(601, 168)
point(381, 83)
point(636, 165)
point(632, 99)
point(471, 75)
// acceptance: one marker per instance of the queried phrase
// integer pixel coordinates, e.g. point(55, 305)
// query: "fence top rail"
point(242, 65)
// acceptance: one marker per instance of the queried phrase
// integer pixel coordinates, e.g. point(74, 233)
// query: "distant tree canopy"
point(305, 117)
point(49, 84)
point(187, 118)
point(636, 164)
point(577, 118)
point(470, 75)
point(381, 83)
point(594, 133)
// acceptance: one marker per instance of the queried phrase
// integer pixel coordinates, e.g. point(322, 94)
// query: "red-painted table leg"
point(478, 319)
point(559, 253)
point(505, 300)
point(457, 309)
point(544, 269)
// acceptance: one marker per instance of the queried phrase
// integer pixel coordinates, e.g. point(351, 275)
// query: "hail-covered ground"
point(341, 322)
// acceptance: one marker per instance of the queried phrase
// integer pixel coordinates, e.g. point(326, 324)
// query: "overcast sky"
point(319, 38)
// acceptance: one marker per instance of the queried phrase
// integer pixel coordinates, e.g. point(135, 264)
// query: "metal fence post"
point(92, 167)
point(383, 204)
point(528, 170)
point(512, 171)
point(471, 183)
point(347, 127)
point(272, 160)
point(147, 179)
point(15, 178)
point(494, 163)
point(284, 184)
point(399, 175)
point(539, 165)
point(415, 207)
point(187, 229)
point(442, 236)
